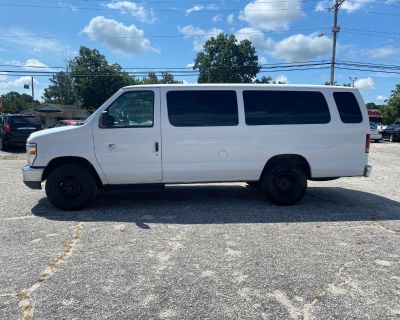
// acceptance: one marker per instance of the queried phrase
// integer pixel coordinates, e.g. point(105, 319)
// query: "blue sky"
point(168, 34)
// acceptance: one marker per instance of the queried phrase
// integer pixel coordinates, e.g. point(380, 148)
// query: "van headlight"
point(31, 152)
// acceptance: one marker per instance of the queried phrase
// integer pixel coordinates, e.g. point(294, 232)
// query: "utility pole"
point(335, 31)
point(352, 81)
point(33, 96)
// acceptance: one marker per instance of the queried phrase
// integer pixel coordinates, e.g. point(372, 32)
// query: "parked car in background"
point(392, 133)
point(64, 123)
point(381, 127)
point(374, 133)
point(16, 128)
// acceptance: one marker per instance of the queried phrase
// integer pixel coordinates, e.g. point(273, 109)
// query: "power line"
point(185, 72)
point(379, 34)
point(266, 2)
point(170, 35)
point(28, 5)
point(175, 9)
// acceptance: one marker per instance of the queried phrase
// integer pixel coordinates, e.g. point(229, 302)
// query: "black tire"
point(377, 141)
point(70, 187)
point(284, 184)
point(253, 184)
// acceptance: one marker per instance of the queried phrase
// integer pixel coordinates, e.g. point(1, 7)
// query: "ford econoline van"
point(275, 136)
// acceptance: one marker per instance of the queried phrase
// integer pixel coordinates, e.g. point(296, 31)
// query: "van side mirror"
point(106, 120)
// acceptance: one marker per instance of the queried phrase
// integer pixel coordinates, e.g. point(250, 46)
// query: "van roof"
point(239, 85)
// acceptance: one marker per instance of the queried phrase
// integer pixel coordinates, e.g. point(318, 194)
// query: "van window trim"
point(337, 108)
point(288, 124)
point(131, 127)
point(210, 89)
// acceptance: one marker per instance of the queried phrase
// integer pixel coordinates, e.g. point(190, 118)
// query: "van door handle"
point(156, 146)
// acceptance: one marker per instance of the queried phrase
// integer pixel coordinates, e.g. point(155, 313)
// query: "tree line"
point(89, 79)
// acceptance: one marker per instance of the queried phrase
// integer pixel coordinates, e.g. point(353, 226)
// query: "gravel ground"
point(215, 251)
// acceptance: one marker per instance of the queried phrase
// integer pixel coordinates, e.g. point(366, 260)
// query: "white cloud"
point(200, 7)
point(33, 64)
point(354, 5)
point(194, 9)
point(381, 98)
point(199, 35)
point(349, 6)
point(67, 6)
point(17, 84)
point(229, 18)
point(366, 83)
point(383, 52)
point(281, 79)
point(271, 15)
point(323, 6)
point(29, 40)
point(217, 18)
point(298, 47)
point(262, 60)
point(30, 64)
point(135, 9)
point(190, 65)
point(117, 36)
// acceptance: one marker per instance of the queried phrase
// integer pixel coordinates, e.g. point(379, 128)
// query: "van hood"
point(52, 132)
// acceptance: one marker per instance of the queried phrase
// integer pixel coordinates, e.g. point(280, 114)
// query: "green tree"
point(61, 90)
point(166, 78)
point(372, 105)
point(95, 80)
point(13, 102)
point(391, 112)
point(264, 79)
point(224, 60)
point(328, 83)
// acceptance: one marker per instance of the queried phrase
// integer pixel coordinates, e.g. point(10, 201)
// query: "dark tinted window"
point(202, 108)
point(132, 109)
point(348, 107)
point(21, 120)
point(285, 107)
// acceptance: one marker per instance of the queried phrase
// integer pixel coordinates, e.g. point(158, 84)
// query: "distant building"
point(50, 113)
point(375, 115)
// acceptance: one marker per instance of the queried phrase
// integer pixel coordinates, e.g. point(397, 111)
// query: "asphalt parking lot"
point(219, 251)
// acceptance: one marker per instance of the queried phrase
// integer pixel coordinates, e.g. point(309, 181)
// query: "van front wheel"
point(70, 187)
point(284, 184)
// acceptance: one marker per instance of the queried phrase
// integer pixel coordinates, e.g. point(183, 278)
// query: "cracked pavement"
point(217, 251)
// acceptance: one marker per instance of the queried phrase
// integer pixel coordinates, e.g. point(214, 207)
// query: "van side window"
point(348, 107)
point(265, 107)
point(202, 108)
point(132, 109)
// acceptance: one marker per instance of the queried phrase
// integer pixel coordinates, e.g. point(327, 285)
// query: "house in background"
point(50, 113)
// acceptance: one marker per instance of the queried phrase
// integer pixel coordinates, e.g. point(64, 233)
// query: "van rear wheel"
point(284, 184)
point(70, 187)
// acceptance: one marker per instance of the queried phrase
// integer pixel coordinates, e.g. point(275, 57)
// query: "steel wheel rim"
point(284, 183)
point(70, 187)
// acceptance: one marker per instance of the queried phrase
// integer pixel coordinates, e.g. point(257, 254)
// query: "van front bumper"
point(367, 171)
point(32, 177)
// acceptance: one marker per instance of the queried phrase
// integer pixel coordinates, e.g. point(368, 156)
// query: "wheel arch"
point(293, 159)
point(56, 162)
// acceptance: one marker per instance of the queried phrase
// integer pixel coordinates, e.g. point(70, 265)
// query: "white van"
point(277, 136)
